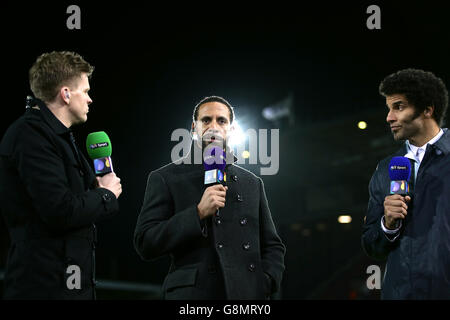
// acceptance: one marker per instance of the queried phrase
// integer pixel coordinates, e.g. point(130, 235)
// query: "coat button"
point(211, 269)
point(220, 245)
point(239, 198)
point(106, 197)
point(246, 246)
point(218, 221)
point(251, 267)
point(374, 236)
point(234, 177)
point(243, 221)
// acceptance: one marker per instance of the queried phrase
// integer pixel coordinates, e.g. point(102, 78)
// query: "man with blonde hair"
point(49, 195)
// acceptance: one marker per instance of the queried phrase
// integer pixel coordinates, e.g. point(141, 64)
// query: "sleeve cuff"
point(109, 200)
point(204, 227)
point(391, 235)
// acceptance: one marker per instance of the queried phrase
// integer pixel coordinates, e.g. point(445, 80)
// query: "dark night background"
point(154, 63)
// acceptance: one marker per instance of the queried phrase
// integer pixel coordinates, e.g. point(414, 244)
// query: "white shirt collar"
point(417, 153)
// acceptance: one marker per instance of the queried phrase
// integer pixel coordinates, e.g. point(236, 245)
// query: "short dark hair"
point(421, 88)
point(55, 69)
point(213, 99)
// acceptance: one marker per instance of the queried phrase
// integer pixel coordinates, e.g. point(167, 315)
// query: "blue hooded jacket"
point(418, 260)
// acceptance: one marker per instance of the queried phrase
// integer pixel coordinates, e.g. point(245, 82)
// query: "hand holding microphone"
point(395, 208)
point(212, 200)
point(396, 204)
point(111, 182)
point(214, 195)
point(99, 149)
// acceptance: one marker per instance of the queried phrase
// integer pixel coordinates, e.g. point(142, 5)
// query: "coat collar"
point(57, 126)
point(443, 144)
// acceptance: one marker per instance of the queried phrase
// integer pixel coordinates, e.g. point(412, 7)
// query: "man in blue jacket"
point(413, 232)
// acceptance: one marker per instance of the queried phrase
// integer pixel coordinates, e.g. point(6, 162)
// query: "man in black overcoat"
point(221, 239)
point(49, 195)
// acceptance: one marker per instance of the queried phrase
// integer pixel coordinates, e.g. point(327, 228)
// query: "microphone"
point(214, 162)
point(99, 149)
point(399, 172)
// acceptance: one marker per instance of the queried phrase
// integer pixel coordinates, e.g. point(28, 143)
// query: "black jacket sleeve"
point(272, 249)
point(160, 230)
point(41, 168)
point(374, 241)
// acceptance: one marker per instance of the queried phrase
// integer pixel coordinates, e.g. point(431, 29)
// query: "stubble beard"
point(408, 130)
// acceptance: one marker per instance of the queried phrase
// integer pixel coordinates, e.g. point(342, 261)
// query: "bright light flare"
point(344, 219)
point(362, 125)
point(238, 136)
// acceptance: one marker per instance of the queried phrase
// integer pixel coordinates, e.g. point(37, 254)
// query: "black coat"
point(418, 261)
point(49, 202)
point(237, 256)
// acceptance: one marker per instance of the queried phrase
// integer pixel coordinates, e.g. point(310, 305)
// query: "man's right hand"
point(111, 182)
point(395, 207)
point(213, 198)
